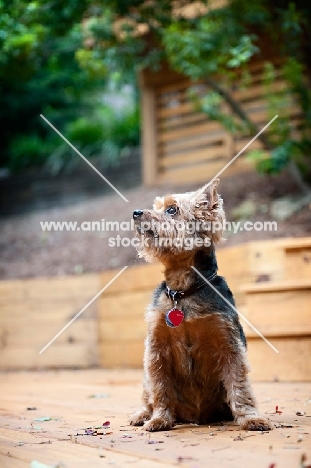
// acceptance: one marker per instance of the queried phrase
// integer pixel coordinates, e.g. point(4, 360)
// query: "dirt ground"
point(27, 251)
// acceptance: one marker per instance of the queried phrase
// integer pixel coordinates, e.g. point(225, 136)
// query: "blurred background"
point(158, 96)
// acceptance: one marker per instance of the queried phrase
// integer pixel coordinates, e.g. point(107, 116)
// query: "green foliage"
point(108, 136)
point(29, 150)
point(84, 132)
point(54, 55)
point(39, 73)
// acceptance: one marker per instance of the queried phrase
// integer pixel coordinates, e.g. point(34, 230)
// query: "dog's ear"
point(208, 196)
point(208, 206)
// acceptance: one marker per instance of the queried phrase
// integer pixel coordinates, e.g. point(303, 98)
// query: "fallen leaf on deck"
point(154, 441)
point(283, 425)
point(276, 411)
point(184, 459)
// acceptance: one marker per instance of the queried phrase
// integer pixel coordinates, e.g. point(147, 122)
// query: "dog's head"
point(180, 223)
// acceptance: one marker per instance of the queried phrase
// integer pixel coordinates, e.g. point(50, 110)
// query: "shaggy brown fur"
point(196, 372)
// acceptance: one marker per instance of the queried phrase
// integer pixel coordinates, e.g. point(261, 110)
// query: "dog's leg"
point(162, 417)
point(240, 396)
point(140, 417)
point(161, 394)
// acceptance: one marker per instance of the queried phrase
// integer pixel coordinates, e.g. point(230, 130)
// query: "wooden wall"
point(33, 311)
point(180, 143)
point(271, 281)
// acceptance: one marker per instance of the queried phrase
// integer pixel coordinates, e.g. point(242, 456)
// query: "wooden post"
point(149, 136)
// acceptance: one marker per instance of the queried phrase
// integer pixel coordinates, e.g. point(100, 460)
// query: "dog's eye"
point(171, 210)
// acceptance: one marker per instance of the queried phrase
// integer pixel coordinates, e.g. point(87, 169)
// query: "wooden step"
point(279, 308)
point(292, 363)
point(271, 286)
point(279, 259)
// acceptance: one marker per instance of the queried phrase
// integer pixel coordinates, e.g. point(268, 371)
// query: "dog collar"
point(177, 295)
point(175, 316)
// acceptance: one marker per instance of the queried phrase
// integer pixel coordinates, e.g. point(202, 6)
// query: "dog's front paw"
point(158, 424)
point(256, 424)
point(139, 418)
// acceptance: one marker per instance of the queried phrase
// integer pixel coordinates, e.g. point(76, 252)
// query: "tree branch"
point(237, 110)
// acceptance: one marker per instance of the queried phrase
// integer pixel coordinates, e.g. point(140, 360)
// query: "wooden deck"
point(76, 400)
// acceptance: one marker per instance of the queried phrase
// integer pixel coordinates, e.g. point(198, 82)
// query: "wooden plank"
point(82, 287)
point(191, 131)
point(130, 329)
point(266, 261)
point(129, 304)
point(239, 144)
point(175, 110)
point(206, 154)
point(37, 333)
point(149, 136)
point(234, 270)
point(33, 311)
point(19, 448)
point(251, 92)
point(190, 143)
point(291, 364)
point(25, 312)
point(136, 278)
point(120, 355)
point(57, 355)
point(278, 286)
point(296, 243)
point(201, 172)
point(165, 92)
point(278, 313)
point(298, 263)
point(181, 121)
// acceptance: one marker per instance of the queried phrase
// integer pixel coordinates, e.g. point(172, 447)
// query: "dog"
point(195, 363)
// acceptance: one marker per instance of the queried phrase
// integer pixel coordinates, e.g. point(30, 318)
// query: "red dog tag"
point(174, 317)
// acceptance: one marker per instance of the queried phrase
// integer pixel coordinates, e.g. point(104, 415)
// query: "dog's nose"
point(137, 213)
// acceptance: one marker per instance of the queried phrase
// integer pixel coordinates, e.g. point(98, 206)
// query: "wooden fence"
point(182, 144)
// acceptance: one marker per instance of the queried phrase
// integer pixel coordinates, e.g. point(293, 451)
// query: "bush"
point(28, 150)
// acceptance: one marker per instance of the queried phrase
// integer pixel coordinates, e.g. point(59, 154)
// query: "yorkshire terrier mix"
point(195, 365)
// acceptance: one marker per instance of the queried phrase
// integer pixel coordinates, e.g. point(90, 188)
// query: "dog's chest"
point(198, 347)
